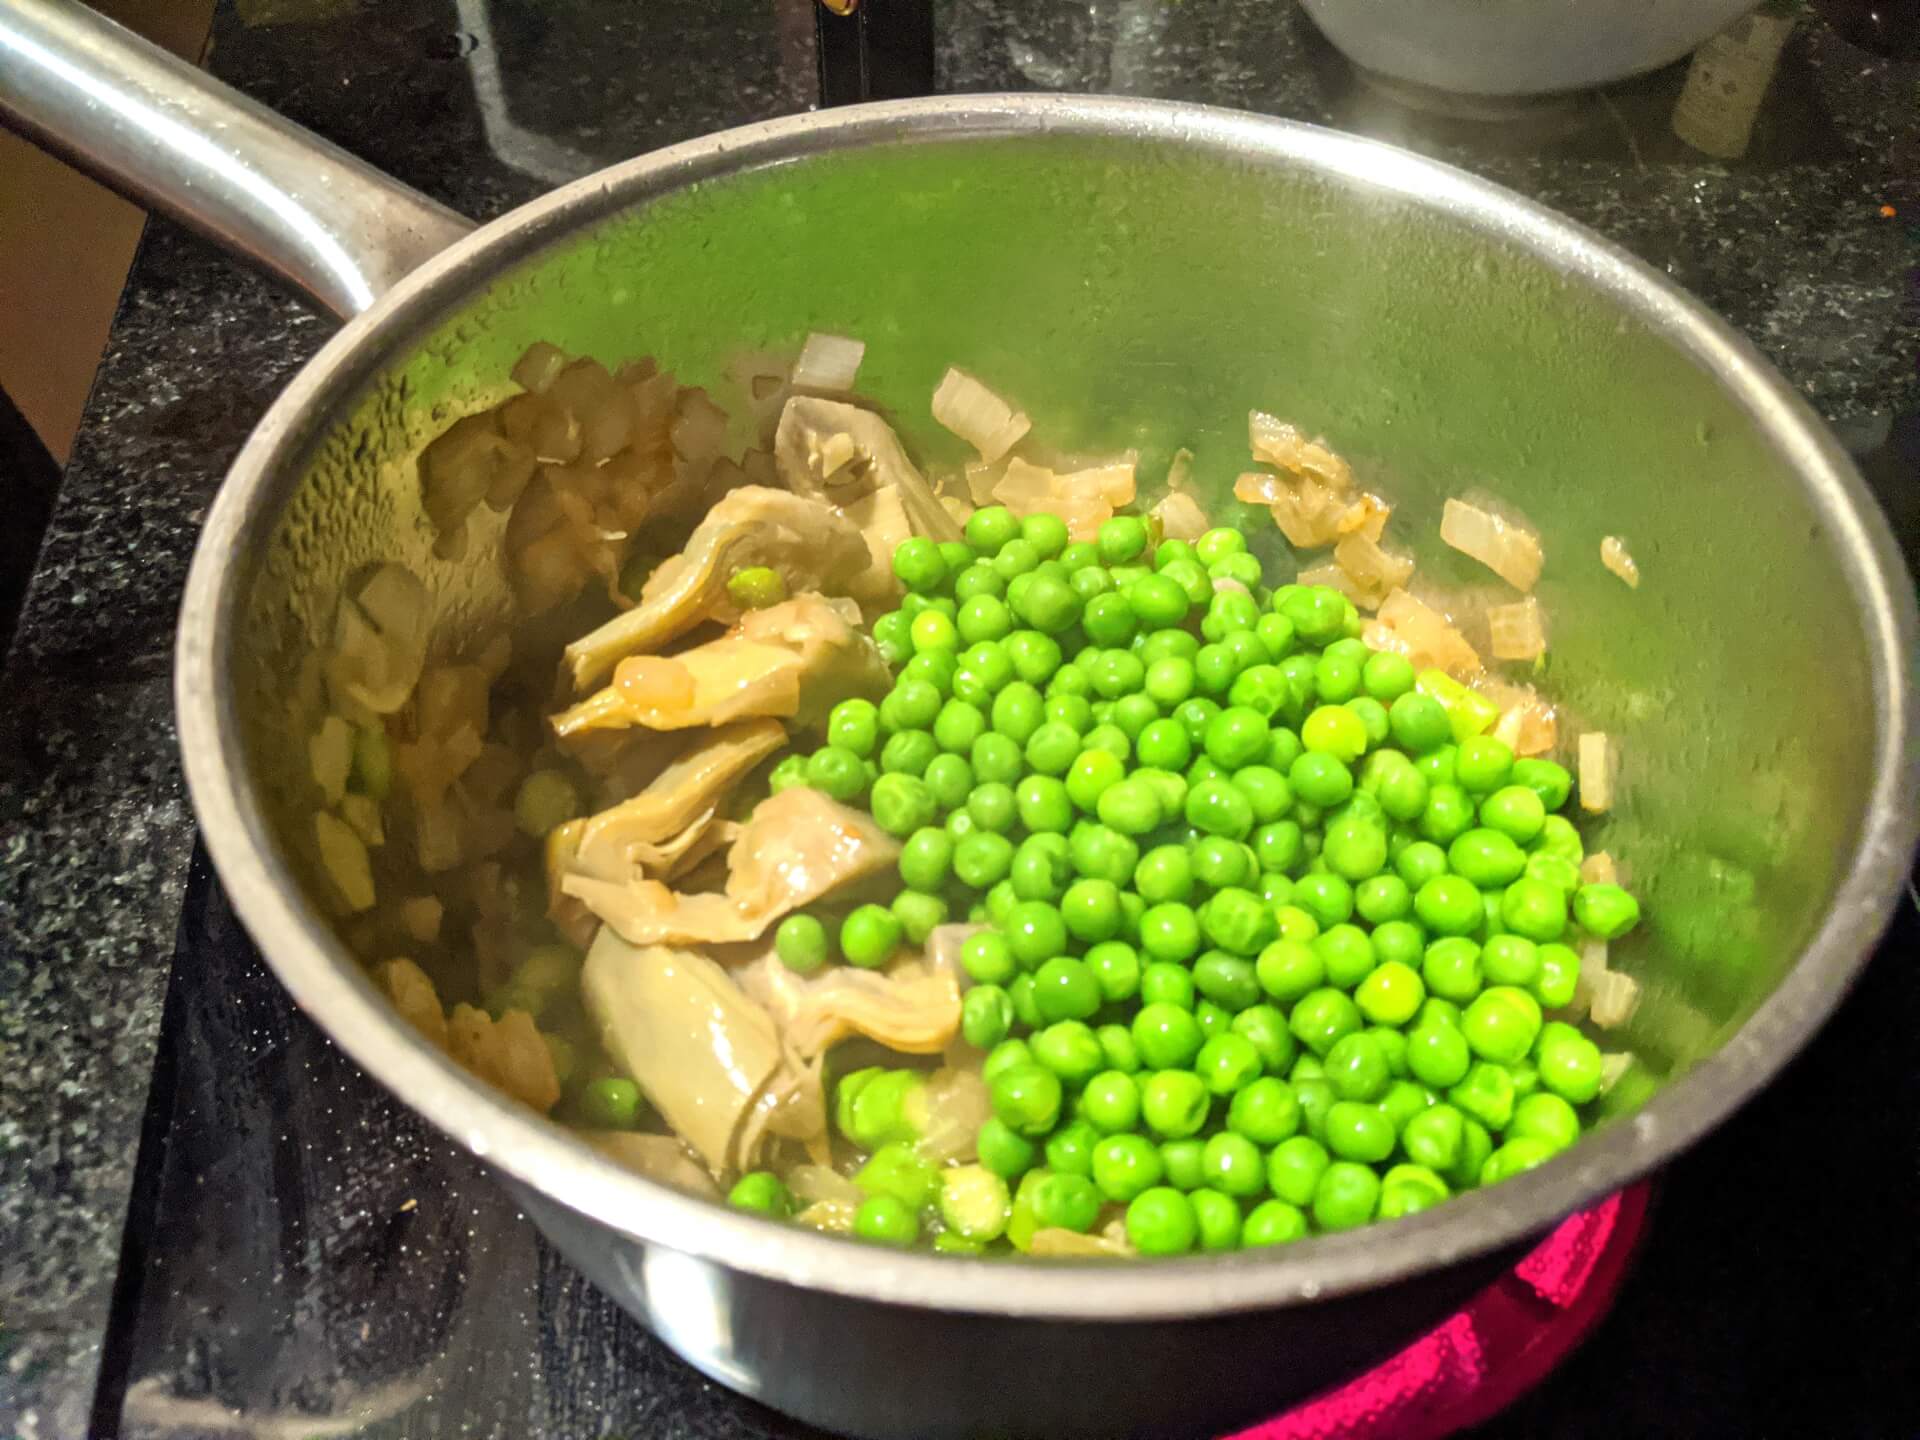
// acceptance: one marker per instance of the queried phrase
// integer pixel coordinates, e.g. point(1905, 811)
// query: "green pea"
point(1181, 1163)
point(1227, 980)
point(1288, 970)
point(1438, 1055)
point(884, 1219)
point(1133, 807)
point(1227, 1063)
point(1502, 1024)
point(1017, 712)
point(1401, 941)
point(836, 772)
point(1126, 1166)
point(1326, 897)
point(1514, 1157)
point(1409, 1189)
point(763, 1192)
point(1167, 1036)
point(1356, 1131)
point(1111, 1102)
point(1261, 688)
point(1569, 1064)
point(1346, 1197)
point(1002, 1151)
point(976, 580)
point(1320, 779)
point(1266, 1028)
point(1164, 983)
point(1544, 1116)
point(610, 1103)
point(788, 773)
point(1451, 969)
point(1605, 911)
point(926, 859)
point(1161, 1221)
point(1027, 1099)
point(1170, 931)
point(1549, 781)
point(869, 936)
point(1449, 905)
point(1382, 898)
point(801, 943)
point(1322, 1017)
point(974, 1202)
point(981, 860)
point(919, 914)
point(1449, 814)
point(1279, 847)
point(1419, 723)
point(1232, 1164)
point(1295, 1167)
point(986, 1015)
point(1509, 960)
point(1486, 1094)
point(1164, 744)
point(902, 804)
point(1559, 975)
point(1356, 1067)
point(1484, 764)
point(1486, 857)
point(1116, 1045)
point(1068, 1048)
point(1042, 804)
point(1534, 909)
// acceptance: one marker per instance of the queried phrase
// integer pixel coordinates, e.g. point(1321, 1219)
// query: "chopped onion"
point(1599, 869)
point(1279, 444)
point(1375, 572)
point(330, 753)
point(1057, 1242)
point(982, 476)
point(1614, 1064)
point(828, 362)
point(1259, 487)
point(1615, 998)
point(1429, 639)
point(1366, 516)
point(699, 428)
point(420, 917)
point(362, 814)
point(1181, 517)
point(1517, 631)
point(539, 366)
point(1180, 470)
point(1613, 555)
point(1112, 482)
point(1025, 488)
point(1596, 772)
point(380, 640)
point(817, 1184)
point(1528, 727)
point(1334, 578)
point(1308, 514)
point(1593, 966)
point(345, 860)
point(977, 415)
point(1510, 552)
point(958, 509)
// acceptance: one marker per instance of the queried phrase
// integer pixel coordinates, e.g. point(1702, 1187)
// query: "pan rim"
point(324, 980)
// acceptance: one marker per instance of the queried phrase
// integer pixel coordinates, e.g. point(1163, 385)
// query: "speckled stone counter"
point(482, 105)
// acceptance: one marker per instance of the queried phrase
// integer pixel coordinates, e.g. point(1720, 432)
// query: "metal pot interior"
point(1145, 290)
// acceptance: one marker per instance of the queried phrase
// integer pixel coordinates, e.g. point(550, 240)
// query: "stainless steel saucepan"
point(1136, 273)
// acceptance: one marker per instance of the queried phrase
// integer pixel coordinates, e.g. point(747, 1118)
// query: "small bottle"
point(1728, 79)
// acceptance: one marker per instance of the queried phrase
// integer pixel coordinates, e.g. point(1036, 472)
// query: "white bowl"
point(1518, 47)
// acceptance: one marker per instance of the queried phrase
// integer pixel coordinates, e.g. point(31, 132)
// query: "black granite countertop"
point(1802, 244)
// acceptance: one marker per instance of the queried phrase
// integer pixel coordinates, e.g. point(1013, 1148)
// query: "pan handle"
point(164, 134)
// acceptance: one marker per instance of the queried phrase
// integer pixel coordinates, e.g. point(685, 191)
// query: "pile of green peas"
point(1270, 926)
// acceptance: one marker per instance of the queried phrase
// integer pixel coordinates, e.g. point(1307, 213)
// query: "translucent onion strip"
point(828, 362)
